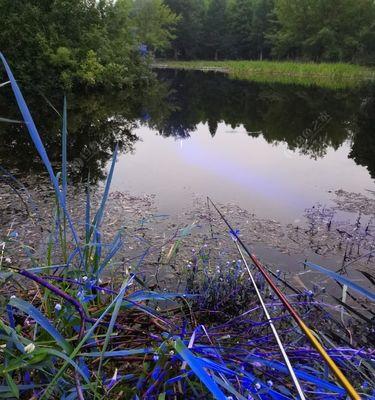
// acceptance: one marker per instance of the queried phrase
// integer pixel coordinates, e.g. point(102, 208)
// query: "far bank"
point(330, 75)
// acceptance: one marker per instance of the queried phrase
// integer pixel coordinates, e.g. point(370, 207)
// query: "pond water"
point(272, 149)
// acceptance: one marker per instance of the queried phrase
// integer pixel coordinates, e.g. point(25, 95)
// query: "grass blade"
point(199, 371)
point(64, 150)
point(112, 322)
point(48, 391)
point(12, 121)
point(99, 215)
point(117, 353)
point(343, 280)
point(38, 143)
point(13, 388)
point(29, 309)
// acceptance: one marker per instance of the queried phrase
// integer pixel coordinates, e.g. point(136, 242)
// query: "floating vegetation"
point(80, 321)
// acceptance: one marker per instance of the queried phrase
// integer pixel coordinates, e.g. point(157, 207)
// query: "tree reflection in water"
point(310, 120)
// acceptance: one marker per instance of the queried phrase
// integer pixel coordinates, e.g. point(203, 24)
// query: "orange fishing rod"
point(305, 329)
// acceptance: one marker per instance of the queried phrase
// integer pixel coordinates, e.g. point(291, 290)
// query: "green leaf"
point(112, 322)
point(118, 353)
point(4, 276)
point(53, 352)
point(48, 392)
point(29, 309)
point(12, 386)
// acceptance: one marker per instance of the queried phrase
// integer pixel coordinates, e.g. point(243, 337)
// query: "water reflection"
point(363, 149)
point(96, 122)
point(310, 120)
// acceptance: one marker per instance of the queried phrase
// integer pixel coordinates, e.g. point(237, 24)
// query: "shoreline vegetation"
point(69, 331)
point(329, 75)
point(84, 44)
point(110, 44)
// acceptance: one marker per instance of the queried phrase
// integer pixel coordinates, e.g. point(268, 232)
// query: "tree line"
point(83, 42)
point(112, 42)
point(314, 30)
point(175, 104)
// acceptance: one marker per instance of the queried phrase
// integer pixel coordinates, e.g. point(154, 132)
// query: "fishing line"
point(306, 330)
point(273, 328)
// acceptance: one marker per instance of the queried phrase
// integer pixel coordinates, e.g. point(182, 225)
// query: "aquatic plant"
point(328, 75)
point(68, 332)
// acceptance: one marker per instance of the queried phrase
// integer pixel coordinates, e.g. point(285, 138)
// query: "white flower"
point(8, 260)
point(13, 296)
point(29, 348)
point(114, 377)
point(2, 347)
point(58, 307)
point(84, 278)
point(257, 386)
point(113, 380)
point(270, 383)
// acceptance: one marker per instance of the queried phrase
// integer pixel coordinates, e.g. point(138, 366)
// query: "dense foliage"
point(108, 42)
point(317, 30)
point(83, 41)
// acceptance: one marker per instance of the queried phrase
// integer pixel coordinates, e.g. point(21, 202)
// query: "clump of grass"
point(74, 335)
point(329, 75)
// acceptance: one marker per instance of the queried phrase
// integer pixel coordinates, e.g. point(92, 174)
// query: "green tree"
point(216, 28)
point(154, 22)
point(87, 42)
point(261, 25)
point(250, 22)
point(189, 30)
point(241, 22)
point(324, 29)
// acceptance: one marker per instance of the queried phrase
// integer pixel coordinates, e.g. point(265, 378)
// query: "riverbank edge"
point(329, 75)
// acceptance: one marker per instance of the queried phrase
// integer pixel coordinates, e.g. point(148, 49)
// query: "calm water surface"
point(273, 149)
point(233, 167)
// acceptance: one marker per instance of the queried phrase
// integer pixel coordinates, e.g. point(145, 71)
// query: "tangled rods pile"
point(68, 332)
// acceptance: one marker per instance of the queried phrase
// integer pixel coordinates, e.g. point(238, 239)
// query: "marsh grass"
point(328, 75)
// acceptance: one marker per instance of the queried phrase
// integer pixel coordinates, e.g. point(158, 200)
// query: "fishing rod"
point(306, 330)
point(273, 328)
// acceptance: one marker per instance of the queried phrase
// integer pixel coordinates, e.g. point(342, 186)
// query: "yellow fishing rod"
point(273, 328)
point(353, 394)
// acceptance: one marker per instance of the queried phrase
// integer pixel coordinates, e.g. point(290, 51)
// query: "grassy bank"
point(335, 76)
